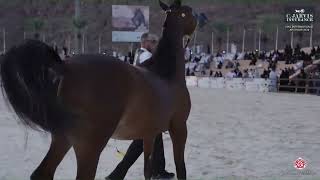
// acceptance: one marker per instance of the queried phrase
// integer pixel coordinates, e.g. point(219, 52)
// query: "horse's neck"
point(170, 49)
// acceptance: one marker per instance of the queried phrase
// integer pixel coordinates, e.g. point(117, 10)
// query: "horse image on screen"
point(129, 22)
point(130, 18)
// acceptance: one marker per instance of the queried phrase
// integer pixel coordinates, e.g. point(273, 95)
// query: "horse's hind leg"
point(148, 144)
point(88, 151)
point(178, 133)
point(58, 148)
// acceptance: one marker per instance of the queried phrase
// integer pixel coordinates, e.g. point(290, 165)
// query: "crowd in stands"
point(291, 56)
point(301, 82)
point(293, 61)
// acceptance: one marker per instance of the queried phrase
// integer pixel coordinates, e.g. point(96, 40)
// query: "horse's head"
point(179, 16)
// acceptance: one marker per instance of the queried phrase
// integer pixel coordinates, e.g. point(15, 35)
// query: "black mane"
point(164, 61)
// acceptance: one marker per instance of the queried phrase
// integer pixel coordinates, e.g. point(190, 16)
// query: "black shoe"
point(164, 175)
point(112, 178)
point(115, 176)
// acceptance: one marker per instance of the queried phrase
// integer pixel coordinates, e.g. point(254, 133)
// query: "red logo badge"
point(300, 163)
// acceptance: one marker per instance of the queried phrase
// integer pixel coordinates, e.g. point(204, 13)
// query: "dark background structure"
point(55, 20)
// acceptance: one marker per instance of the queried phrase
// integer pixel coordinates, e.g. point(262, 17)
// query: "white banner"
point(192, 81)
point(204, 82)
point(123, 36)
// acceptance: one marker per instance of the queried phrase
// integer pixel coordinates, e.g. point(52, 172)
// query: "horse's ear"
point(163, 6)
point(177, 3)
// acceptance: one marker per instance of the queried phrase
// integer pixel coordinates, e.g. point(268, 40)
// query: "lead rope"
point(193, 35)
point(119, 153)
point(188, 41)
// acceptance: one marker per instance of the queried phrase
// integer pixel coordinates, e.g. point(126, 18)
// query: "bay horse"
point(89, 99)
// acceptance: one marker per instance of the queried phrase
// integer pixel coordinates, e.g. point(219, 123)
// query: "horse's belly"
point(141, 121)
point(130, 131)
point(148, 110)
point(135, 127)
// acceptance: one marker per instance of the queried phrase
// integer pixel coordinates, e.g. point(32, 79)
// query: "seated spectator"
point(246, 56)
point(195, 68)
point(313, 51)
point(253, 61)
point(273, 75)
point(197, 59)
point(265, 74)
point(251, 73)
point(203, 73)
point(220, 65)
point(211, 73)
point(238, 73)
point(301, 82)
point(297, 50)
point(188, 71)
point(245, 73)
point(274, 80)
point(237, 64)
point(235, 56)
point(231, 74)
point(229, 64)
point(216, 74)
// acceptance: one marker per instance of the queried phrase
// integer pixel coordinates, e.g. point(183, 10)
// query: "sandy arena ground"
point(232, 135)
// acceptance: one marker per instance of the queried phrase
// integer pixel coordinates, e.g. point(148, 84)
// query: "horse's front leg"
point(58, 148)
point(178, 133)
point(148, 144)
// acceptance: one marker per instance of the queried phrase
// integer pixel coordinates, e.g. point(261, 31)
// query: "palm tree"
point(79, 24)
point(221, 28)
point(264, 40)
point(38, 25)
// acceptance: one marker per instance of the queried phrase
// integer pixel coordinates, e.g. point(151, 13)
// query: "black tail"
point(30, 88)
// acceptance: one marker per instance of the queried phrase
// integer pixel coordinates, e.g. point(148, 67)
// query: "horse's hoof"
point(164, 175)
point(36, 176)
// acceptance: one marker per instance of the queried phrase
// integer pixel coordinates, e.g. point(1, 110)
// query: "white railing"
point(253, 85)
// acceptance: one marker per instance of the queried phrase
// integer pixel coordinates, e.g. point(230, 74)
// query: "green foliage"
point(79, 23)
point(249, 1)
point(220, 27)
point(6, 3)
point(177, 2)
point(34, 24)
point(38, 24)
point(269, 22)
